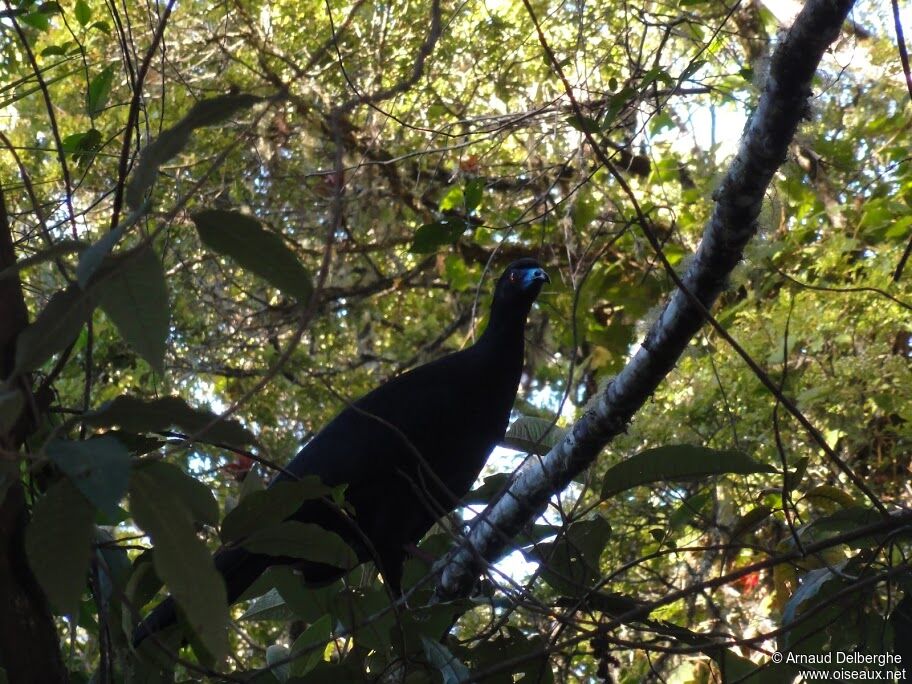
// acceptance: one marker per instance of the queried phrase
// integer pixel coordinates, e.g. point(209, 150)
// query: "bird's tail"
point(239, 569)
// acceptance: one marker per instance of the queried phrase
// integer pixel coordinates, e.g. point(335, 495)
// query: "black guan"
point(408, 451)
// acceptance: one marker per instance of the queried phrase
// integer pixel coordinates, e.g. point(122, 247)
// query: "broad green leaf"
point(114, 572)
point(56, 326)
point(571, 563)
point(56, 250)
point(735, 668)
point(37, 20)
point(135, 298)
point(492, 485)
point(749, 521)
point(816, 585)
point(276, 654)
point(302, 540)
point(269, 507)
point(138, 415)
point(181, 560)
point(431, 236)
point(58, 542)
point(311, 642)
point(678, 462)
point(172, 141)
point(366, 614)
point(99, 91)
point(83, 146)
point(689, 509)
point(533, 435)
point(269, 606)
point(11, 403)
point(451, 669)
point(473, 193)
point(53, 51)
point(99, 467)
point(453, 199)
point(196, 497)
point(82, 12)
point(261, 252)
point(91, 258)
point(834, 497)
point(585, 124)
point(842, 521)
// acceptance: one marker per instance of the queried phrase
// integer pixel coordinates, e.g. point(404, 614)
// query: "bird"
point(407, 452)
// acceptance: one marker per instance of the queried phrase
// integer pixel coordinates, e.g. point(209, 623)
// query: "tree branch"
point(739, 198)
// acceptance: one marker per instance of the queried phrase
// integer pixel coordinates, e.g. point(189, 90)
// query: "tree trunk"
point(29, 648)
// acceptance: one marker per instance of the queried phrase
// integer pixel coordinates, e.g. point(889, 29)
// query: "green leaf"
point(811, 585)
point(491, 487)
point(311, 642)
point(115, 571)
point(366, 615)
point(56, 326)
point(181, 559)
point(197, 498)
point(453, 199)
point(269, 507)
point(302, 540)
point(243, 239)
point(571, 563)
point(473, 193)
point(52, 252)
point(53, 51)
point(99, 467)
point(451, 669)
point(431, 236)
point(83, 146)
point(11, 403)
point(58, 543)
point(137, 415)
point(585, 124)
point(82, 12)
point(749, 521)
point(99, 91)
point(678, 462)
point(135, 298)
point(735, 668)
point(275, 654)
point(689, 509)
point(533, 435)
point(91, 259)
point(172, 141)
point(37, 20)
point(269, 606)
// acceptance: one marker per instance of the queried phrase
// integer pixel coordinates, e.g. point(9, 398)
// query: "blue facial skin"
point(534, 275)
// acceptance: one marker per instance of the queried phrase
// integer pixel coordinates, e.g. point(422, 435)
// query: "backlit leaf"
point(58, 543)
point(138, 415)
point(99, 467)
point(181, 560)
point(679, 462)
point(261, 252)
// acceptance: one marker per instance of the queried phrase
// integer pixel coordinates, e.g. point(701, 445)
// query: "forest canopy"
point(223, 222)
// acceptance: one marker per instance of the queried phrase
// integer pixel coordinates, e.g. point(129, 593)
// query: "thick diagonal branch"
point(782, 105)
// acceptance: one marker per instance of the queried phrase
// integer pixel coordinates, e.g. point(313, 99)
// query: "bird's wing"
point(364, 443)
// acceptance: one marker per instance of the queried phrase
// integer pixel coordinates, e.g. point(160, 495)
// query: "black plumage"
point(408, 451)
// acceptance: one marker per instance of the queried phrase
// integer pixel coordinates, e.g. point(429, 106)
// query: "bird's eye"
point(514, 276)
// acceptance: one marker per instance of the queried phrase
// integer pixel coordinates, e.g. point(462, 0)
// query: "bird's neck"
point(505, 330)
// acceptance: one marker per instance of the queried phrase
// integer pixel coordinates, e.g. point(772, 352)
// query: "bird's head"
point(520, 283)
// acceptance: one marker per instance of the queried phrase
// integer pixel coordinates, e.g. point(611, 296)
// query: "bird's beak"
point(539, 275)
